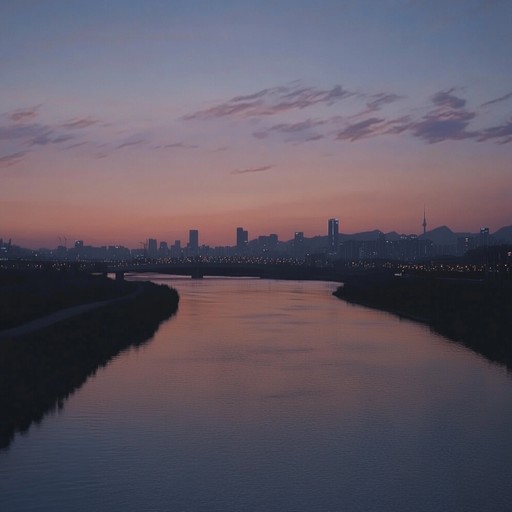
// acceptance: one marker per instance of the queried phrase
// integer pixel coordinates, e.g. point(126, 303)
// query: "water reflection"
point(40, 370)
point(267, 395)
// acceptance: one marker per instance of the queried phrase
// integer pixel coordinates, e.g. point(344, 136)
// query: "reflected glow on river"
point(275, 396)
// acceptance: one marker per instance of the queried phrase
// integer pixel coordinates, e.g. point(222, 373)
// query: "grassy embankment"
point(39, 371)
point(25, 296)
point(477, 314)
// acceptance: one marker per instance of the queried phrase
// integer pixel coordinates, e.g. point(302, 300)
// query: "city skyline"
point(128, 118)
point(241, 238)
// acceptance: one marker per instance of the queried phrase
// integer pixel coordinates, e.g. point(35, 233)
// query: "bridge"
point(193, 269)
point(198, 270)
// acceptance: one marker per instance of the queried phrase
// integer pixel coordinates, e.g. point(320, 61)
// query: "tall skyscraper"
point(333, 234)
point(193, 241)
point(298, 244)
point(79, 247)
point(163, 250)
point(152, 248)
point(176, 249)
point(484, 237)
point(242, 239)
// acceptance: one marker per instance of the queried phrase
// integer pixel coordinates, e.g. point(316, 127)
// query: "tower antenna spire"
point(424, 221)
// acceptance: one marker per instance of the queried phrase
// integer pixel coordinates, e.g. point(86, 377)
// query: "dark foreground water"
point(274, 396)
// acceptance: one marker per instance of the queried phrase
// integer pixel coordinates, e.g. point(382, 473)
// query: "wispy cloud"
point(272, 101)
point(502, 132)
point(130, 143)
point(77, 145)
point(360, 130)
point(28, 134)
point(251, 170)
point(301, 131)
point(25, 114)
point(441, 126)
point(32, 134)
point(286, 113)
point(180, 145)
point(448, 120)
point(19, 133)
point(62, 138)
point(301, 126)
point(447, 99)
point(12, 159)
point(374, 126)
point(18, 129)
point(497, 100)
point(84, 122)
point(378, 100)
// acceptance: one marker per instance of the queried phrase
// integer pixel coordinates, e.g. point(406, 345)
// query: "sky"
point(133, 119)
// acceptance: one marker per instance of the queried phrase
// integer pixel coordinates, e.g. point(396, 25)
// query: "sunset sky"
point(122, 120)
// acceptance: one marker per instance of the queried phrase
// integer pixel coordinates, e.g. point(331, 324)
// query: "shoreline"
point(475, 314)
point(58, 316)
point(41, 369)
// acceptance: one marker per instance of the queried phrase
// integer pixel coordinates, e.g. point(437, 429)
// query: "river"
point(265, 395)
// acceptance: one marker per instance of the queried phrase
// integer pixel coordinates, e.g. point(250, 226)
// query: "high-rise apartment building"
point(298, 244)
point(152, 248)
point(242, 239)
point(163, 250)
point(79, 248)
point(333, 234)
point(484, 237)
point(193, 241)
point(176, 249)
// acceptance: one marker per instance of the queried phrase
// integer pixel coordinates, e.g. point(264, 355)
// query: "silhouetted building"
point(242, 239)
point(350, 250)
point(484, 237)
point(79, 249)
point(193, 242)
point(424, 224)
point(267, 244)
point(163, 250)
point(298, 245)
point(152, 250)
point(464, 244)
point(118, 252)
point(176, 249)
point(60, 252)
point(333, 235)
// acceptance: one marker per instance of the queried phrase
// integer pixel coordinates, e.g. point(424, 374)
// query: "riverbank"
point(38, 371)
point(475, 313)
point(28, 295)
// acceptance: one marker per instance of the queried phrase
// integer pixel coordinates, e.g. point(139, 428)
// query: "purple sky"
point(124, 120)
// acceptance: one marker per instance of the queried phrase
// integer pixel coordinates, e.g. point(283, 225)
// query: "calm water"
point(274, 396)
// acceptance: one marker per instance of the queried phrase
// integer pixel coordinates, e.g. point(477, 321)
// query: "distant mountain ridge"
point(441, 235)
point(504, 233)
point(364, 235)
